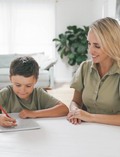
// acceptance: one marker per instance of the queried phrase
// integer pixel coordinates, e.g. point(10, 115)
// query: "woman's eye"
point(97, 47)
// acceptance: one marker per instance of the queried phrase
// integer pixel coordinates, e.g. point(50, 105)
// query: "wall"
point(96, 9)
point(69, 12)
point(77, 12)
point(111, 8)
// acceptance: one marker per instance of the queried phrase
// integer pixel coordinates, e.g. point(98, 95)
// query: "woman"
point(97, 82)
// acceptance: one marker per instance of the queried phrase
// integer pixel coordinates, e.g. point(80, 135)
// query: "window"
point(27, 26)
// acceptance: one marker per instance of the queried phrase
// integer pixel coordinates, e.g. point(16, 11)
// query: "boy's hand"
point(26, 113)
point(7, 122)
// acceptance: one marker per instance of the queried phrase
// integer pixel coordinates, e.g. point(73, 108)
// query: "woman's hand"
point(26, 113)
point(7, 122)
point(73, 120)
point(75, 104)
point(80, 115)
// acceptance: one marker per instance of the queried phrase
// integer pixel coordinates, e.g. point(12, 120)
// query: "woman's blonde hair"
point(107, 31)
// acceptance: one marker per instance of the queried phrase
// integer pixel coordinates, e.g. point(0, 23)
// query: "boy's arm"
point(60, 109)
point(7, 122)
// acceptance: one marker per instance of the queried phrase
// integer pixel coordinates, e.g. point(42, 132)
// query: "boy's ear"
point(36, 80)
point(10, 78)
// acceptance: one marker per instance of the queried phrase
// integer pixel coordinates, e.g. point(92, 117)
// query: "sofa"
point(46, 70)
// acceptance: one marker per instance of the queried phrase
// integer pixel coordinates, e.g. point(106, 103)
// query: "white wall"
point(77, 12)
point(111, 8)
point(69, 12)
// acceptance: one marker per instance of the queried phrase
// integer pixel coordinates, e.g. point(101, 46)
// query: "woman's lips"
point(94, 57)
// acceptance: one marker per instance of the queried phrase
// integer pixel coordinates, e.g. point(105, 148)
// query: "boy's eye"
point(17, 85)
point(28, 86)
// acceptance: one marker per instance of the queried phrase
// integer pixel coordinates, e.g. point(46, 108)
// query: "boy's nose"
point(23, 89)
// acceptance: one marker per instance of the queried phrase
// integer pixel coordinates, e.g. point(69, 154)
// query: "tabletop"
point(59, 138)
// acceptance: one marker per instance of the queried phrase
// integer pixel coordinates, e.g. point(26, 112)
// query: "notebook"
point(22, 124)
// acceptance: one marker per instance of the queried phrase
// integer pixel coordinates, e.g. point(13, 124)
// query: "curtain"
point(27, 26)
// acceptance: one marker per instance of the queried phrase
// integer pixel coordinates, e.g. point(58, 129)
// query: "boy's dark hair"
point(25, 66)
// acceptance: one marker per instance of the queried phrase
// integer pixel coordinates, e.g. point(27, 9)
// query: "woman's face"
point(98, 56)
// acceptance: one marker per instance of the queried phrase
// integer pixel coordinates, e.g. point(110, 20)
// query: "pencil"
point(4, 112)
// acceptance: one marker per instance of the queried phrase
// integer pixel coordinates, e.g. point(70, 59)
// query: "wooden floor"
point(63, 92)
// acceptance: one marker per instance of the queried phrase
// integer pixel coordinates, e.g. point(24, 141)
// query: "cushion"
point(44, 75)
point(4, 75)
point(48, 64)
point(40, 57)
point(5, 60)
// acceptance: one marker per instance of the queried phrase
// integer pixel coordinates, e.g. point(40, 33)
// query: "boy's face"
point(23, 86)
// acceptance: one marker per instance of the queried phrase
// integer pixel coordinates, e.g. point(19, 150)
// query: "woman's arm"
point(76, 103)
point(97, 118)
point(76, 113)
point(60, 109)
point(106, 119)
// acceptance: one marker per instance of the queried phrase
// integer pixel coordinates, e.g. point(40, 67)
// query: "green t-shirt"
point(99, 95)
point(39, 100)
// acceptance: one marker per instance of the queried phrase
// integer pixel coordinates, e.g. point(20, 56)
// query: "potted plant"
point(73, 43)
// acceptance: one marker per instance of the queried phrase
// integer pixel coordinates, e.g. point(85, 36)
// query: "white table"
point(59, 138)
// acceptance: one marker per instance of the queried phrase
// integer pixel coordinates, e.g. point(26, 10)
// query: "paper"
point(22, 124)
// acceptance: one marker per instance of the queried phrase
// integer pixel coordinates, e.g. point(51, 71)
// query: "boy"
point(24, 98)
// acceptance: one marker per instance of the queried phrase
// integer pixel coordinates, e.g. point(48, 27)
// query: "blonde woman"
point(97, 81)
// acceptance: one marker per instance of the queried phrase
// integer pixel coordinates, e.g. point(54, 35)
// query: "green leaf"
point(56, 39)
point(63, 39)
point(81, 48)
point(70, 36)
point(66, 52)
point(57, 45)
point(80, 59)
point(71, 56)
point(83, 33)
point(71, 62)
point(62, 53)
point(75, 45)
point(72, 27)
point(68, 32)
point(84, 57)
point(86, 28)
point(79, 29)
point(73, 38)
point(77, 34)
point(61, 36)
point(60, 48)
point(84, 40)
point(86, 51)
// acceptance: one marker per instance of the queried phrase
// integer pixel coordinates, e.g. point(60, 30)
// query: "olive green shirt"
point(99, 95)
point(39, 99)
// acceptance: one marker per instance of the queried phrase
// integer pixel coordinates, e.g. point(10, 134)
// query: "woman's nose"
point(90, 49)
